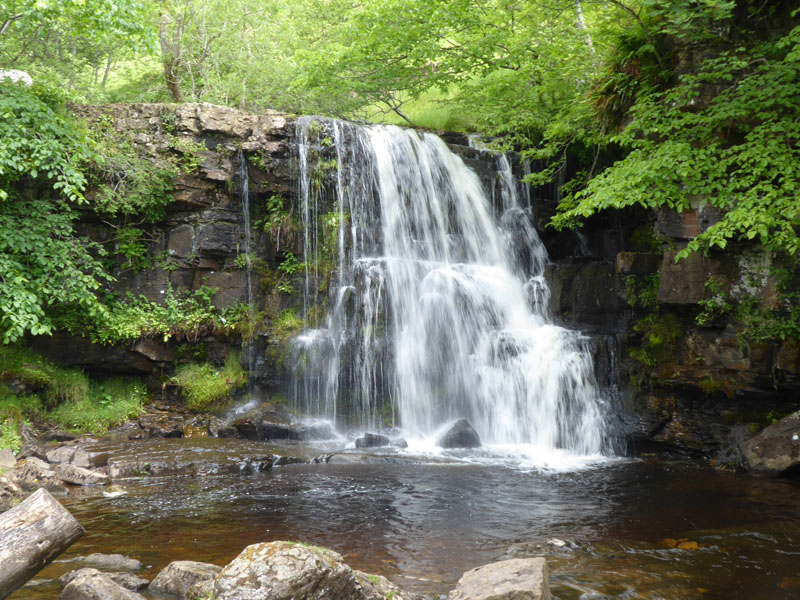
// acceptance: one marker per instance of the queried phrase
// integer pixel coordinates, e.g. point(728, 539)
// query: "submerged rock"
point(292, 571)
point(776, 449)
point(460, 435)
point(90, 584)
point(515, 579)
point(177, 577)
point(116, 562)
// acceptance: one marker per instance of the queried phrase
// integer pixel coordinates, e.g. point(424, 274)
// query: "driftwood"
point(32, 534)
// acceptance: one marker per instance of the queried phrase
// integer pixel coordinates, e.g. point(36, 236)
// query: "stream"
point(424, 519)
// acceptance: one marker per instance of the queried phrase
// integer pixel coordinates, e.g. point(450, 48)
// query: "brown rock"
point(177, 577)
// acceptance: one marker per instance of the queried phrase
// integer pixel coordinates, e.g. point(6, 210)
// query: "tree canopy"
point(668, 103)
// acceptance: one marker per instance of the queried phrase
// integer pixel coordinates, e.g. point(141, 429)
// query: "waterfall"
point(438, 305)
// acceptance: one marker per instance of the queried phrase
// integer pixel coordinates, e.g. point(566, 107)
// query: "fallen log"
point(32, 534)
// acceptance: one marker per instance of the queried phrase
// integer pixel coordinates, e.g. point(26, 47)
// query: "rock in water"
point(372, 440)
point(460, 435)
point(776, 449)
point(291, 571)
point(127, 580)
point(515, 579)
point(177, 577)
point(93, 585)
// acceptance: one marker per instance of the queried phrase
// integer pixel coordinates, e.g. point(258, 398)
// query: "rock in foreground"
point(515, 579)
point(177, 577)
point(460, 435)
point(291, 571)
point(90, 584)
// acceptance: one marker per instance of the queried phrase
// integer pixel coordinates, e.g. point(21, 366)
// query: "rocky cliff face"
point(677, 383)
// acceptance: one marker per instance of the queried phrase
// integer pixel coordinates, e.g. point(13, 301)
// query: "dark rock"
point(180, 241)
point(637, 263)
point(216, 240)
point(31, 444)
point(267, 422)
point(154, 350)
point(177, 577)
point(399, 443)
point(514, 579)
point(163, 425)
point(231, 287)
point(316, 431)
point(89, 584)
point(460, 435)
point(69, 455)
point(373, 440)
point(684, 282)
point(58, 436)
point(289, 571)
point(776, 449)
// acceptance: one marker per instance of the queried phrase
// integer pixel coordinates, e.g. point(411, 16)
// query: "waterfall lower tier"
point(438, 308)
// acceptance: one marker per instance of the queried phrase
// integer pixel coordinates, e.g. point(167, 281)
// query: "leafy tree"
point(42, 262)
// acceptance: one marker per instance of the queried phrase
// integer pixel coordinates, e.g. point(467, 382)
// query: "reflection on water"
point(424, 524)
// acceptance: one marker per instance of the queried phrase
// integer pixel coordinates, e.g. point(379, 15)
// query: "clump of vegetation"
point(108, 403)
point(287, 324)
point(660, 336)
point(183, 316)
point(207, 388)
point(64, 397)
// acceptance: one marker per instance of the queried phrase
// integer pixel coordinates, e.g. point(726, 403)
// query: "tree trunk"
point(32, 534)
point(170, 32)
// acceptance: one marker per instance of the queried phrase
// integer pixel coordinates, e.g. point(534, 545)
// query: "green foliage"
point(207, 388)
point(290, 266)
point(642, 291)
point(660, 336)
point(53, 383)
point(188, 316)
point(42, 262)
point(738, 150)
point(107, 404)
point(287, 324)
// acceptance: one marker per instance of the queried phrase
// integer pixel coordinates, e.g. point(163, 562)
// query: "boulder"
point(10, 494)
point(69, 455)
point(202, 590)
point(776, 449)
point(80, 476)
point(32, 473)
point(514, 579)
point(460, 435)
point(31, 444)
point(266, 422)
point(291, 571)
point(127, 580)
point(177, 577)
point(90, 584)
point(373, 440)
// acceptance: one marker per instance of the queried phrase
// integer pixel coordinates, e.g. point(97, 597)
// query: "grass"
point(206, 388)
point(63, 397)
point(108, 403)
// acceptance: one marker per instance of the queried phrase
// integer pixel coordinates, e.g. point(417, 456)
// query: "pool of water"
point(422, 521)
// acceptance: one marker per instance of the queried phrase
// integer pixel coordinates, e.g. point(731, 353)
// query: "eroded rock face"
point(515, 579)
point(178, 576)
point(776, 449)
point(291, 571)
point(460, 435)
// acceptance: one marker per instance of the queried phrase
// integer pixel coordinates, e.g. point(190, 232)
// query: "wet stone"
point(177, 577)
point(93, 585)
point(460, 435)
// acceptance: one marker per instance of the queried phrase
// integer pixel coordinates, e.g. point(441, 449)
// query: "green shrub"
point(207, 388)
point(107, 404)
point(56, 384)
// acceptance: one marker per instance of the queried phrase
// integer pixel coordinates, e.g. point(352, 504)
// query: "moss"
point(107, 404)
point(206, 388)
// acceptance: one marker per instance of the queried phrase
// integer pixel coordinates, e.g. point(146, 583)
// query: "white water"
point(438, 309)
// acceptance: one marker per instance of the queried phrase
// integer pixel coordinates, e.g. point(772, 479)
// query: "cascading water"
point(438, 307)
